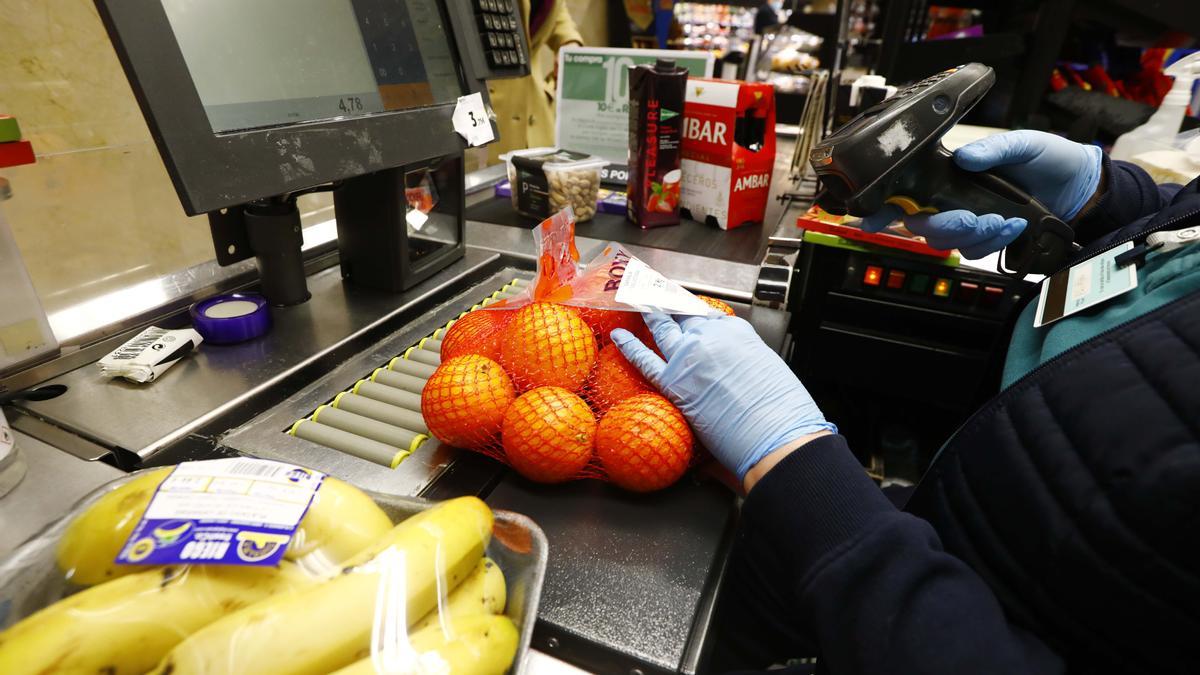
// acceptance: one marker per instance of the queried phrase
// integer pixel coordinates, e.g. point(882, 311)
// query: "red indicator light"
point(895, 279)
point(873, 275)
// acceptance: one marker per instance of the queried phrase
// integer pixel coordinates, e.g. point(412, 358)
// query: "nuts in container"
point(544, 180)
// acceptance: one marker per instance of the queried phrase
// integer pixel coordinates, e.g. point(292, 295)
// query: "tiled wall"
point(97, 211)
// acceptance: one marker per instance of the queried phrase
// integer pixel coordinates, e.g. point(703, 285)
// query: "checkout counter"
point(632, 579)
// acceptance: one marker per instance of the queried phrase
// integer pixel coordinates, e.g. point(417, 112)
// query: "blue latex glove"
point(741, 399)
point(1059, 173)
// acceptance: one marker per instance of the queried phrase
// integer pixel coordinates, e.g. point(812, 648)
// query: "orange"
point(717, 304)
point(548, 434)
point(463, 402)
point(644, 443)
point(603, 321)
point(476, 333)
point(614, 380)
point(547, 345)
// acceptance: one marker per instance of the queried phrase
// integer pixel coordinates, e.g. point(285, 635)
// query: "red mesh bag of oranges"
point(536, 382)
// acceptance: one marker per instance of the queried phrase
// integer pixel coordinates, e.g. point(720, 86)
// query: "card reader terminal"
point(892, 154)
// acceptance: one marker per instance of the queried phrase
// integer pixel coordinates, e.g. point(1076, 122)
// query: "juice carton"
point(655, 116)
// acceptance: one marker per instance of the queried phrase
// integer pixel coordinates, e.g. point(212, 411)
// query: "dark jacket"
point(1057, 531)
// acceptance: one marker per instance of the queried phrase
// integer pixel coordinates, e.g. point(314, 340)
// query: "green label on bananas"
point(238, 511)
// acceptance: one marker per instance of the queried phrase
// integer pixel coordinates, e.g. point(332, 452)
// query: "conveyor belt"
point(379, 418)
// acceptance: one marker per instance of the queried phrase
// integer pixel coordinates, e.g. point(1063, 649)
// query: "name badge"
point(1086, 284)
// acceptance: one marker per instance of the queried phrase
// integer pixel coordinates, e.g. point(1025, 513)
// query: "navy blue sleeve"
point(872, 584)
point(1130, 194)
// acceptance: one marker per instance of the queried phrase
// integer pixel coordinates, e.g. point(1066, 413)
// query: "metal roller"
point(423, 355)
point(432, 344)
point(378, 410)
point(409, 367)
point(360, 425)
point(351, 444)
point(522, 283)
point(390, 395)
point(396, 380)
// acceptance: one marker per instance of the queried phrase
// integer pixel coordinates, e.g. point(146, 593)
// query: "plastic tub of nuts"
point(544, 180)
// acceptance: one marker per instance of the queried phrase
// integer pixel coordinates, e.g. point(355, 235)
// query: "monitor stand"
point(268, 229)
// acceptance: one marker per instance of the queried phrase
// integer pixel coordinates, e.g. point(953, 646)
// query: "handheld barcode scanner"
point(892, 154)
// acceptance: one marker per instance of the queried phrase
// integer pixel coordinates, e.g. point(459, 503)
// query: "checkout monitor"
point(251, 100)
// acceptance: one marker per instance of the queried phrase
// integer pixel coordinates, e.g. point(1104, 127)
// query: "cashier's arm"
point(871, 582)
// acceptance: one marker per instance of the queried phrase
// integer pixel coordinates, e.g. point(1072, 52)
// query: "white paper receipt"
point(471, 120)
point(648, 290)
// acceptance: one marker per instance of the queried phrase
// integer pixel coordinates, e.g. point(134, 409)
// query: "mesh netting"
point(476, 333)
point(717, 304)
point(583, 413)
point(547, 345)
point(613, 380)
point(548, 435)
point(603, 321)
point(643, 443)
point(465, 399)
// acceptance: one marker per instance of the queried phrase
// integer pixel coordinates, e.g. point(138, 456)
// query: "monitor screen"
point(273, 62)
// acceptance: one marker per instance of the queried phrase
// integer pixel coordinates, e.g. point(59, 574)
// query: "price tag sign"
point(471, 120)
point(593, 95)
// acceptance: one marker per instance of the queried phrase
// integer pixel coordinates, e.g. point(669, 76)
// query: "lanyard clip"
point(1137, 254)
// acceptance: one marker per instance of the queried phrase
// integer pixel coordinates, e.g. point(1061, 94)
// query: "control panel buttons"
point(967, 292)
point(941, 288)
point(873, 276)
point(992, 295)
point(895, 279)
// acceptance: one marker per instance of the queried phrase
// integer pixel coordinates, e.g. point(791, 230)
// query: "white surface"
point(231, 309)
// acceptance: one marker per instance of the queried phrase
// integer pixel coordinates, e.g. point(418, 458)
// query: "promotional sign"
point(593, 99)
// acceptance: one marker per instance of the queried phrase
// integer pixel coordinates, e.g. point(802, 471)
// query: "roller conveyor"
point(379, 418)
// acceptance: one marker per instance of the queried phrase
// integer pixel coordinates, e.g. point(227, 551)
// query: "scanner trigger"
point(909, 205)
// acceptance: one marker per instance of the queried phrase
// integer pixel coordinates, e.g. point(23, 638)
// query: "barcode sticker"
point(646, 289)
point(237, 511)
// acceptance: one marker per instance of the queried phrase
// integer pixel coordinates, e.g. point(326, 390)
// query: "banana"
point(476, 645)
point(483, 592)
point(341, 521)
point(92, 541)
point(127, 625)
point(329, 626)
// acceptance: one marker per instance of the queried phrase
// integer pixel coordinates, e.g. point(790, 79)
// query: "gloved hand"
point(741, 399)
point(1059, 173)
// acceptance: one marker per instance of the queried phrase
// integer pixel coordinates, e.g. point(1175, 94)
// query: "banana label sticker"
point(237, 511)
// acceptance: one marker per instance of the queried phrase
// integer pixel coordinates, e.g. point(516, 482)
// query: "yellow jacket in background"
point(525, 105)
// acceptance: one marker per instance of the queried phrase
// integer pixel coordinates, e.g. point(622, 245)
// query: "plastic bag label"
point(238, 511)
point(646, 289)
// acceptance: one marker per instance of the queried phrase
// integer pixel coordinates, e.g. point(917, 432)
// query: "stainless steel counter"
point(53, 483)
point(227, 381)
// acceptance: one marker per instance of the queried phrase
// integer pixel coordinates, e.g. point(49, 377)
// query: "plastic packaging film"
point(368, 584)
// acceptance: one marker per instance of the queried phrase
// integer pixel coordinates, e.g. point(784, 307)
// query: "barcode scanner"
point(892, 153)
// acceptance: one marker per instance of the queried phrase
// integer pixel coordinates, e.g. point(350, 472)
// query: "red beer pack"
point(728, 151)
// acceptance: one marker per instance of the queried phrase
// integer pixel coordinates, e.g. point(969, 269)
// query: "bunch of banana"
point(370, 610)
point(341, 521)
point(126, 625)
